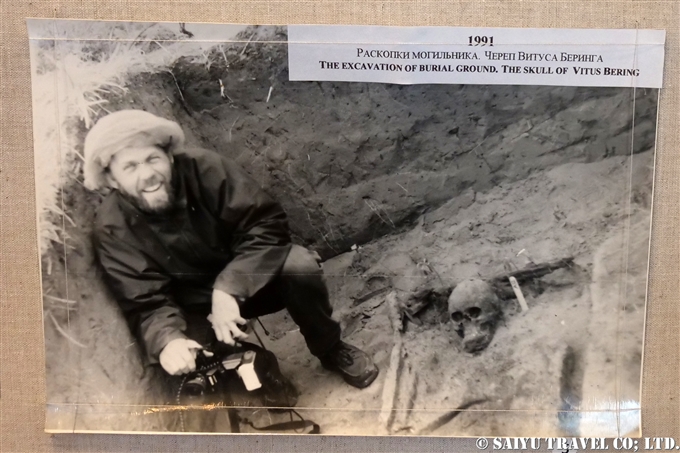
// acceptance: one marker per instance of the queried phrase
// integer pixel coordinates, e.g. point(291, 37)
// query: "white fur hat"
point(121, 130)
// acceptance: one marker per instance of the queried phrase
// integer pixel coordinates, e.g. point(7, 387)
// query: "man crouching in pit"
point(185, 236)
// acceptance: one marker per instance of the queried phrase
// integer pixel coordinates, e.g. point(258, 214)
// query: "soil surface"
point(471, 181)
point(538, 359)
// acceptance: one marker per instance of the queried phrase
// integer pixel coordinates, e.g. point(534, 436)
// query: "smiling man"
point(192, 247)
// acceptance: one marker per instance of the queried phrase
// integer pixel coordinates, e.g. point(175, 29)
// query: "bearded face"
point(144, 176)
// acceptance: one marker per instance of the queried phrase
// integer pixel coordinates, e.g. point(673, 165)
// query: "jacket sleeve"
point(142, 293)
point(260, 239)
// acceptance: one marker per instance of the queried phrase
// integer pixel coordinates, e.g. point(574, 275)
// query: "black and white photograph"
point(224, 249)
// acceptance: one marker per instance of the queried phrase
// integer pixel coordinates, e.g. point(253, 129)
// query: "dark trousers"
point(300, 288)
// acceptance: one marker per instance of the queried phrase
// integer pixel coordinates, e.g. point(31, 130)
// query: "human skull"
point(474, 312)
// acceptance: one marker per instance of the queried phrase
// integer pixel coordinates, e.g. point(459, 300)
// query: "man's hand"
point(225, 316)
point(179, 356)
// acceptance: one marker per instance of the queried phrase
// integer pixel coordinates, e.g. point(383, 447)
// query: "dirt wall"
point(351, 162)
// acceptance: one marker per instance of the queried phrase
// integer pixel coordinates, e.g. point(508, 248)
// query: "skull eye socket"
point(486, 326)
point(473, 312)
point(457, 316)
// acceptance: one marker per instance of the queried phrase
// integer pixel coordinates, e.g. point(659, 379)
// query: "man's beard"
point(164, 207)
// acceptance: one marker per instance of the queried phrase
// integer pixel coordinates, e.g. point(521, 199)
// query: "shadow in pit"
point(571, 390)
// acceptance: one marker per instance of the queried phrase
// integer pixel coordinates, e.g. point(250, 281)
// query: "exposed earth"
point(474, 181)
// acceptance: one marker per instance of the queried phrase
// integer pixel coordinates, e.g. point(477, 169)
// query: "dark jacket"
point(226, 233)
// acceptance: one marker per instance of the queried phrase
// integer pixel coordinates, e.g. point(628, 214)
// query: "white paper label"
point(495, 56)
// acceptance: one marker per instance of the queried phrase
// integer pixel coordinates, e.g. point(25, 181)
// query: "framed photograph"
point(345, 230)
